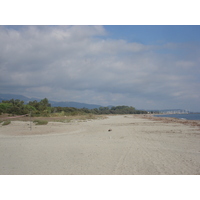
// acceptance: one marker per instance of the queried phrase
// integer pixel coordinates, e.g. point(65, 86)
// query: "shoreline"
point(172, 120)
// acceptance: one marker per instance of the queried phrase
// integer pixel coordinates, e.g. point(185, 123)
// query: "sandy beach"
point(136, 145)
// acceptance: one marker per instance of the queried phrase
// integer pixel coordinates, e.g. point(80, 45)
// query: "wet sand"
point(136, 145)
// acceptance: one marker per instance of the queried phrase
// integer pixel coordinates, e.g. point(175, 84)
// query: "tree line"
point(43, 108)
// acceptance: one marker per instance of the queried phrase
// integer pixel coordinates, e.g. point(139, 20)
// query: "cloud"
point(80, 63)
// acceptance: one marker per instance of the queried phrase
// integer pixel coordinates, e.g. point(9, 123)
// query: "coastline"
point(172, 120)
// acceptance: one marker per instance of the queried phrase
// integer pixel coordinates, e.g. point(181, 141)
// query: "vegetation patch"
point(43, 109)
point(63, 120)
point(40, 122)
point(6, 123)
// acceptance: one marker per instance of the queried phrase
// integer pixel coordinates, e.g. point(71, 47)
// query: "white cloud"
point(79, 63)
point(185, 64)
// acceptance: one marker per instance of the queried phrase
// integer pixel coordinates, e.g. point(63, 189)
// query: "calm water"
point(183, 116)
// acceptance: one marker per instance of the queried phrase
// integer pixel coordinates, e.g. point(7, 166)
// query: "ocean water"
point(182, 116)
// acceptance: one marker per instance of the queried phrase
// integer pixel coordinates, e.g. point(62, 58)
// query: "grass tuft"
point(6, 123)
point(40, 122)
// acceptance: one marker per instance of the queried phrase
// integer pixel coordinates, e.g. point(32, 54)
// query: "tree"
point(45, 102)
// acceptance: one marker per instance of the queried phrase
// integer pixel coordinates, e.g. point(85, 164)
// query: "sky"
point(147, 67)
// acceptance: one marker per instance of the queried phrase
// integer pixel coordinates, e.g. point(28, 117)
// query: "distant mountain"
point(13, 96)
point(53, 103)
point(73, 104)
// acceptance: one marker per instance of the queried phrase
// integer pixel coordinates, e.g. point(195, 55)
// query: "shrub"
point(4, 107)
point(40, 122)
point(6, 123)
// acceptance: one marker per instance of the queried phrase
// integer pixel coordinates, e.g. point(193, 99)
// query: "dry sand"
point(134, 146)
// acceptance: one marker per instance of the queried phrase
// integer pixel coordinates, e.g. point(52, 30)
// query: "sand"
point(135, 146)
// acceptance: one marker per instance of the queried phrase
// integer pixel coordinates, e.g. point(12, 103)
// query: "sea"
point(182, 116)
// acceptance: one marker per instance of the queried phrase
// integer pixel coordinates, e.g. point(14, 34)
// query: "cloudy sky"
point(148, 67)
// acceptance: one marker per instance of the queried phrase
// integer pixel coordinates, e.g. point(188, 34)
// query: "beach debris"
point(110, 129)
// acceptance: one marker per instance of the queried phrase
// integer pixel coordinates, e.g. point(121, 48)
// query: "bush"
point(4, 107)
point(6, 123)
point(40, 122)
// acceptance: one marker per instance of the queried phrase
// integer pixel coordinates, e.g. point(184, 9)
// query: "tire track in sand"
point(146, 153)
